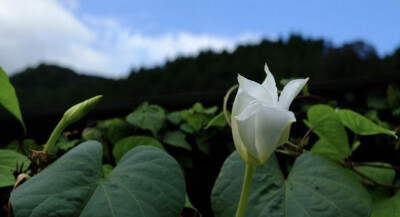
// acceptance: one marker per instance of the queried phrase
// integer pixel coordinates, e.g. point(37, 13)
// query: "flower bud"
point(79, 110)
point(260, 121)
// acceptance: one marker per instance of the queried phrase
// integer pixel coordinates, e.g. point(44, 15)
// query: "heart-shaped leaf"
point(361, 125)
point(147, 182)
point(315, 186)
point(333, 142)
point(148, 117)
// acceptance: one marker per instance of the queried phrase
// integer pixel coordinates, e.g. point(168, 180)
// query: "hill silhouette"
point(211, 74)
point(46, 91)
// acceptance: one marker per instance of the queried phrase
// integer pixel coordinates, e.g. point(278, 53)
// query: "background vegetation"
point(344, 72)
point(350, 76)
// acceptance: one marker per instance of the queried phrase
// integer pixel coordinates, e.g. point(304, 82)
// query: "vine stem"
point(248, 179)
point(51, 142)
point(225, 105)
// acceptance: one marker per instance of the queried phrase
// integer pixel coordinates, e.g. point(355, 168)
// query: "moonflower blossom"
point(260, 121)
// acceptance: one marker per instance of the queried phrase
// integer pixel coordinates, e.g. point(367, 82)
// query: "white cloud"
point(48, 31)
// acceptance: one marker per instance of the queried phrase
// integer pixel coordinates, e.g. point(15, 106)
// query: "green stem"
point(248, 179)
point(51, 142)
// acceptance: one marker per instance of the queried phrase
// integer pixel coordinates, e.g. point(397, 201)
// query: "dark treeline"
point(49, 89)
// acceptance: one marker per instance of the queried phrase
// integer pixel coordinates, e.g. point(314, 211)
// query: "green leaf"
point(381, 175)
point(387, 207)
point(9, 159)
point(333, 142)
point(146, 182)
point(90, 133)
point(373, 116)
point(202, 141)
point(107, 168)
point(29, 144)
point(148, 117)
point(14, 145)
point(218, 121)
point(197, 117)
point(66, 145)
point(126, 144)
point(185, 127)
point(315, 186)
point(177, 139)
point(8, 98)
point(188, 203)
point(114, 129)
point(361, 125)
point(175, 118)
point(355, 145)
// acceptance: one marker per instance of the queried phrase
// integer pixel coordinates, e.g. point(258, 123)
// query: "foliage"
point(76, 183)
point(314, 187)
point(8, 98)
point(152, 163)
point(9, 160)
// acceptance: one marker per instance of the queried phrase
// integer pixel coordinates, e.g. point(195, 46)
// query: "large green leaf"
point(148, 117)
point(147, 182)
point(315, 186)
point(126, 144)
point(9, 159)
point(8, 97)
point(324, 122)
point(387, 207)
point(361, 125)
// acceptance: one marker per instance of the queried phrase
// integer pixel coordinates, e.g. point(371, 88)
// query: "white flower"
point(261, 122)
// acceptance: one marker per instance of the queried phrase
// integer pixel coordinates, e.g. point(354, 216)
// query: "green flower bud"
point(79, 110)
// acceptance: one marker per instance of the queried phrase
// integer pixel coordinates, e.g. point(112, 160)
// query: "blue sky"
point(108, 38)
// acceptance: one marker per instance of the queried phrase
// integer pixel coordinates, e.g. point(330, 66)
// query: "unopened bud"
point(79, 110)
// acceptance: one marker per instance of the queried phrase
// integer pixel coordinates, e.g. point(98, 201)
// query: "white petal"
point(240, 147)
point(242, 99)
point(270, 85)
point(251, 109)
point(290, 91)
point(270, 125)
point(246, 127)
point(255, 90)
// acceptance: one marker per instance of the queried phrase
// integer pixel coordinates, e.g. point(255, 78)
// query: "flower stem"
point(51, 142)
point(248, 179)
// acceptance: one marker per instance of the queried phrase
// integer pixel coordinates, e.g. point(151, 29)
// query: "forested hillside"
point(46, 91)
point(211, 74)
